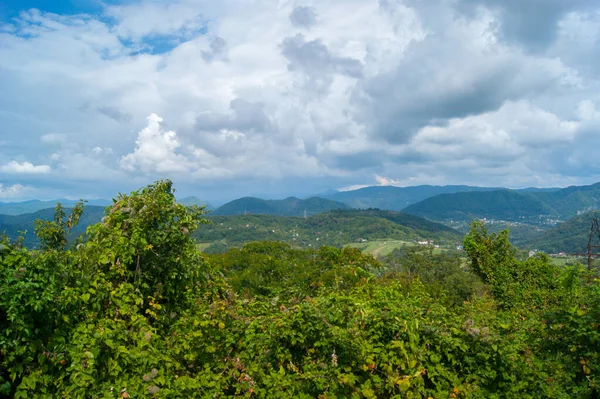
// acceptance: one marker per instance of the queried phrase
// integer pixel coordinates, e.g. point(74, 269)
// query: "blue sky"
point(11, 8)
point(295, 97)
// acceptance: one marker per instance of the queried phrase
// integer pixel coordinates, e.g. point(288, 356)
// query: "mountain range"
point(12, 225)
point(19, 208)
point(396, 198)
point(515, 205)
point(531, 214)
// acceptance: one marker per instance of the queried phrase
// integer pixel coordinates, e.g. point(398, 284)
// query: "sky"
point(295, 97)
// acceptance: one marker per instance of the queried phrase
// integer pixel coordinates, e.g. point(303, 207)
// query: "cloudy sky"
point(294, 97)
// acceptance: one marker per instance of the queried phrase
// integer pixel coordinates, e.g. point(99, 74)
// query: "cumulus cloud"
point(324, 93)
point(24, 168)
point(156, 150)
point(531, 23)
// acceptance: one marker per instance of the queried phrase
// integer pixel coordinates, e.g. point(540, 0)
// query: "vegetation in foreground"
point(135, 310)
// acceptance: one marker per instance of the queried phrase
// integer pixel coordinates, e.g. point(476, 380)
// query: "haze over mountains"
point(396, 198)
point(19, 208)
point(13, 225)
point(291, 206)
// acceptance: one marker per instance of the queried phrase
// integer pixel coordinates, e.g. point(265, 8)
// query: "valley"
point(548, 220)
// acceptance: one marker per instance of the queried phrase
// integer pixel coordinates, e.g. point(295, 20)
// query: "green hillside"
point(291, 206)
point(526, 205)
point(501, 204)
point(571, 236)
point(335, 228)
point(11, 225)
point(396, 198)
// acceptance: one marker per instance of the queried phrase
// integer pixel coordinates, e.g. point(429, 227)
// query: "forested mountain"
point(500, 204)
point(571, 236)
point(510, 204)
point(291, 206)
point(334, 228)
point(11, 225)
point(396, 198)
point(19, 208)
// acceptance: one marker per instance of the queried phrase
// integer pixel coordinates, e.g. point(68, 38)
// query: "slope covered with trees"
point(334, 228)
point(134, 310)
point(291, 206)
point(510, 204)
point(501, 204)
point(571, 236)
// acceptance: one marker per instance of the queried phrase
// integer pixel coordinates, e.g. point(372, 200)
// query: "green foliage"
point(135, 310)
point(531, 282)
point(444, 274)
point(275, 269)
point(53, 234)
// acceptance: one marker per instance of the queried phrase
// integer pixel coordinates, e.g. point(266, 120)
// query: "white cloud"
point(180, 19)
point(156, 151)
point(25, 168)
point(339, 90)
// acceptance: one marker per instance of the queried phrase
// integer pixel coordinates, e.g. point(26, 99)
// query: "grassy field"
point(380, 248)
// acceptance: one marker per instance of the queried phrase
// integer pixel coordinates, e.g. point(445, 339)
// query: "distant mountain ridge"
point(12, 225)
point(20, 208)
point(291, 206)
point(397, 198)
point(509, 204)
